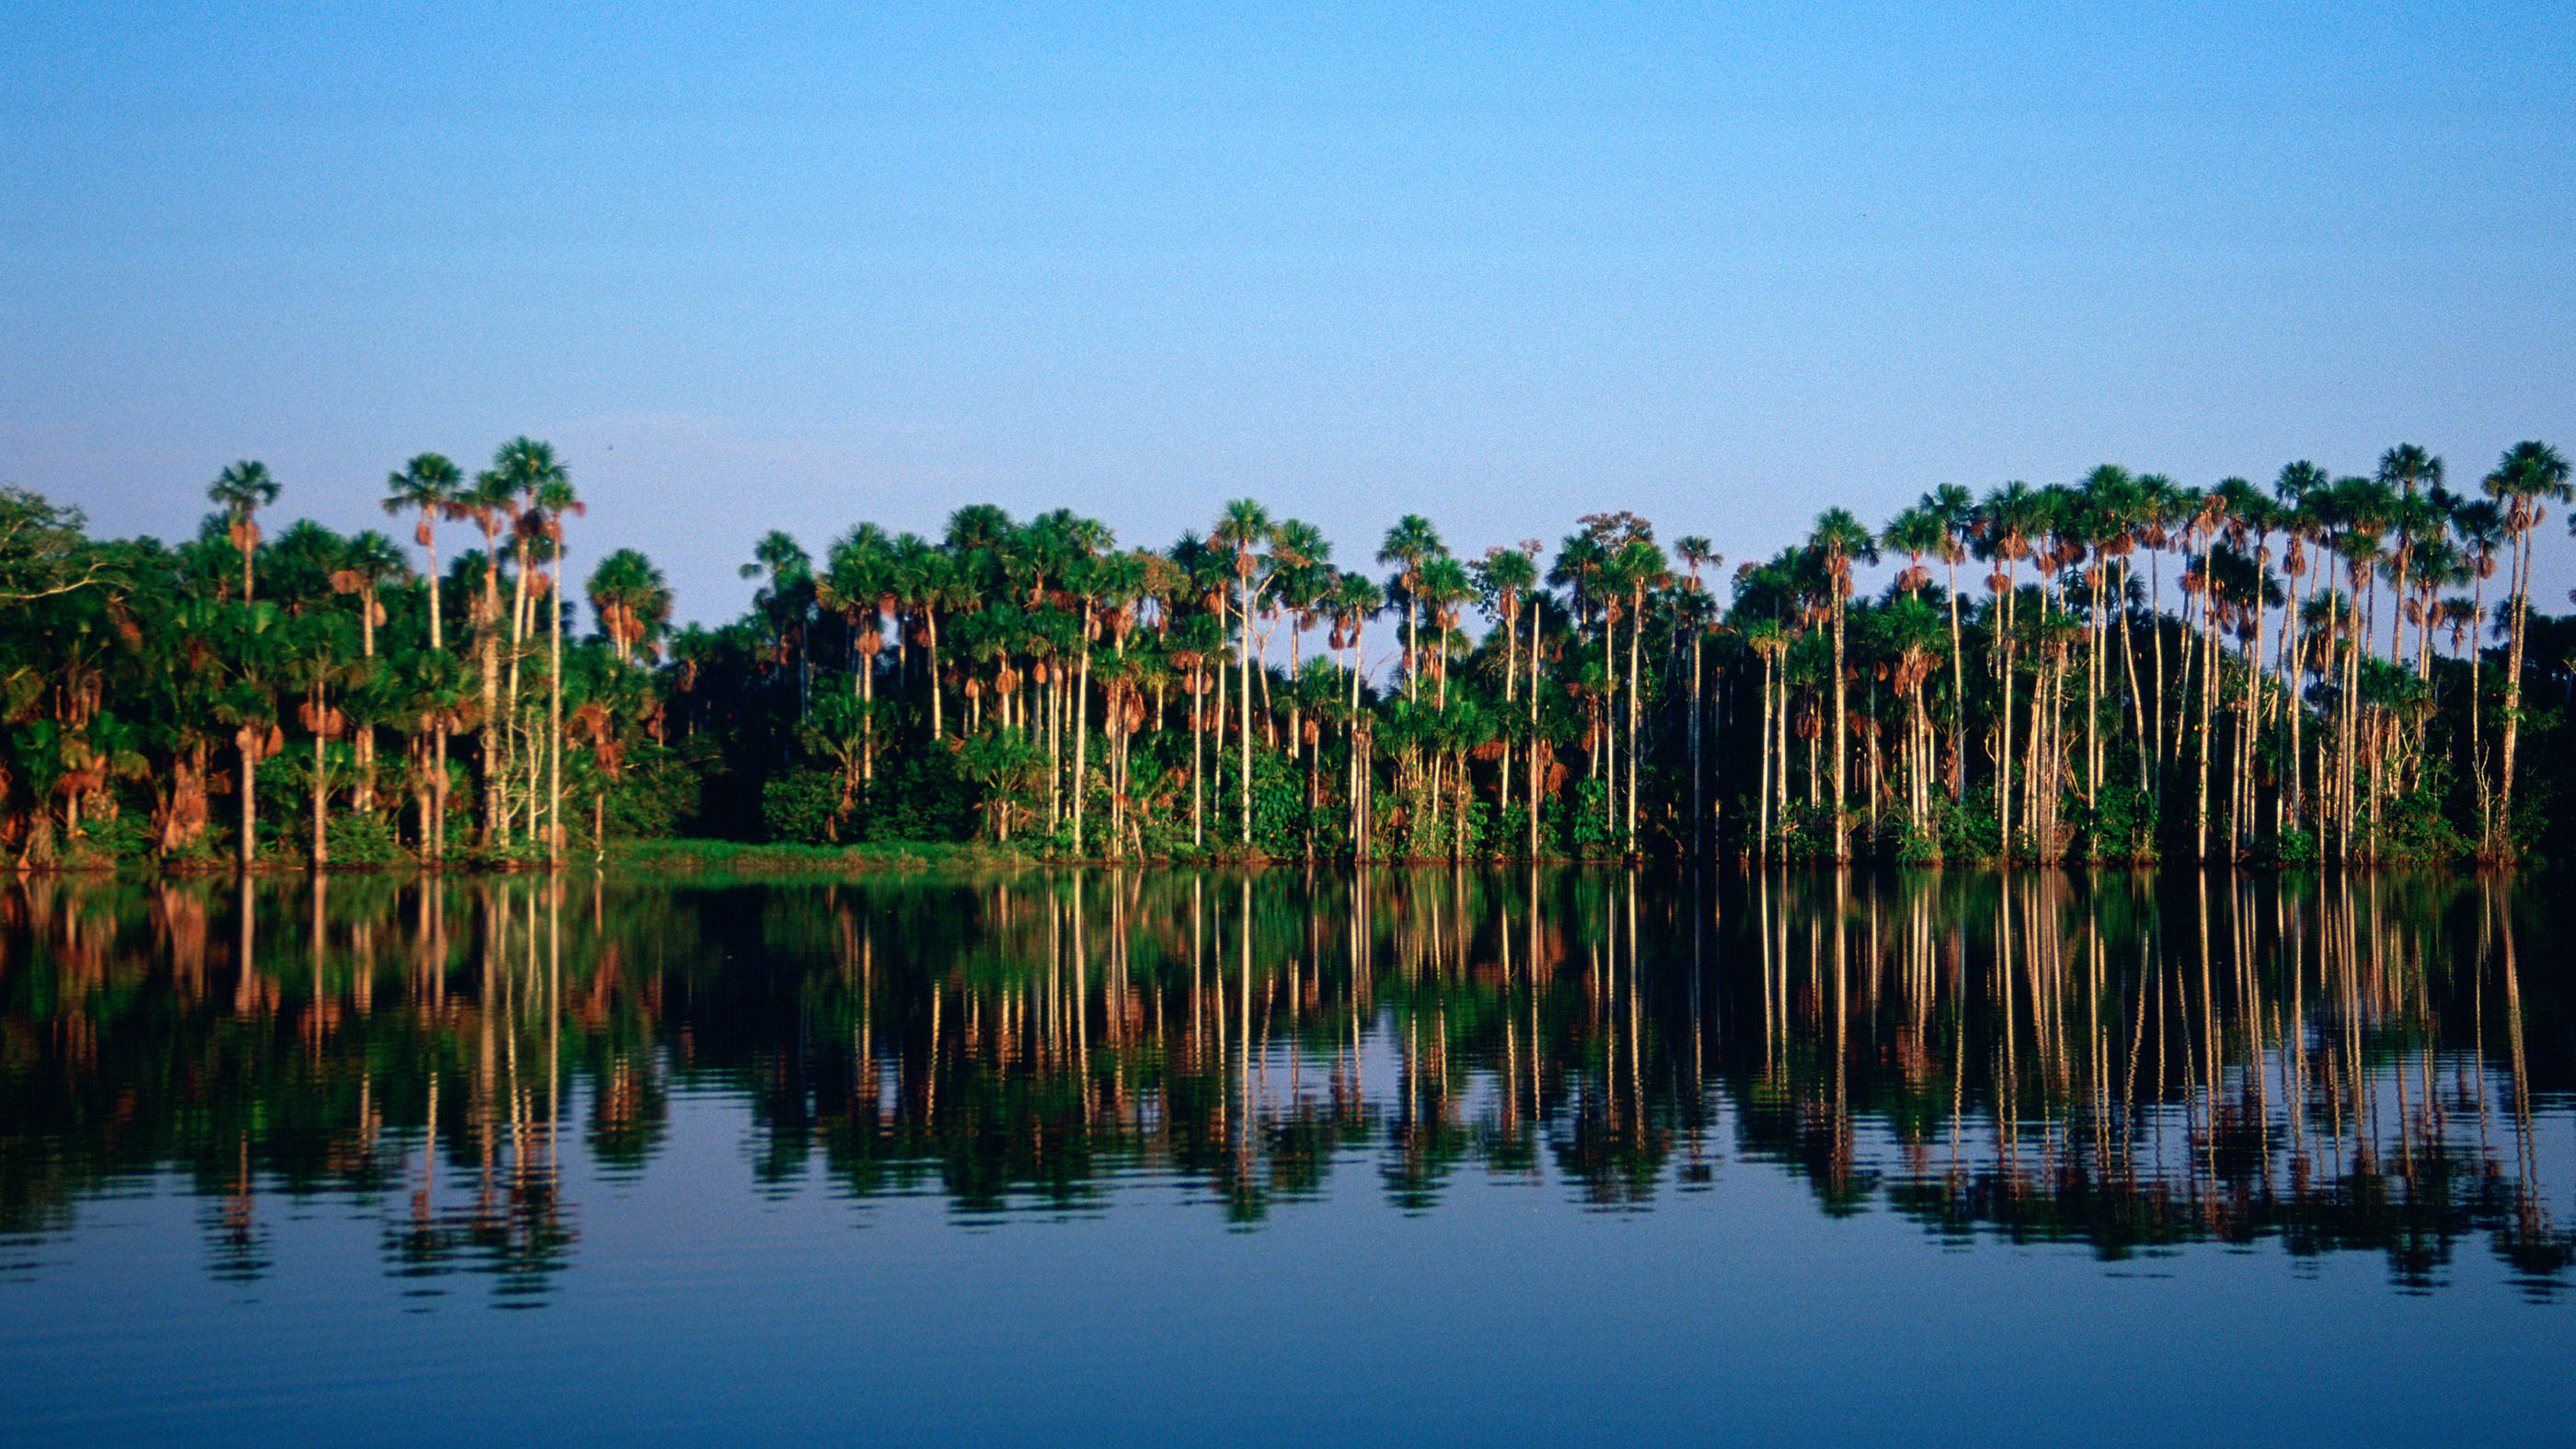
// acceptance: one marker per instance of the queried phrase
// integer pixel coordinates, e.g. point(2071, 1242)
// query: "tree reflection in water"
point(2128, 1062)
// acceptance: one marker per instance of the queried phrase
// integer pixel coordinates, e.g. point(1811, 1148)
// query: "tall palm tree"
point(1446, 585)
point(251, 663)
point(427, 485)
point(368, 562)
point(1407, 545)
point(2529, 473)
point(1356, 600)
point(242, 490)
point(1837, 541)
point(1087, 576)
point(1506, 576)
point(492, 505)
point(553, 499)
point(1243, 530)
point(1642, 567)
point(2404, 468)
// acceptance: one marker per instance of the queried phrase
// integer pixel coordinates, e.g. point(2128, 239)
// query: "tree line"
point(2332, 669)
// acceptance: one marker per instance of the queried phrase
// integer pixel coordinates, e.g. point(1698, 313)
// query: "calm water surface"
point(1279, 1158)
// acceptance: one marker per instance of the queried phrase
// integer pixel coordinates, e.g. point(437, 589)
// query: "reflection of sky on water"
point(1621, 1242)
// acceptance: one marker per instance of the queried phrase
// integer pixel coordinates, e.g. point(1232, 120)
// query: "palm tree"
point(1956, 510)
point(789, 572)
point(428, 486)
point(1445, 586)
point(2479, 525)
point(1242, 531)
point(2528, 473)
point(1640, 565)
point(1696, 553)
point(242, 490)
point(632, 602)
point(492, 504)
point(553, 499)
point(1302, 574)
point(1837, 540)
point(367, 563)
point(251, 658)
point(1411, 541)
point(2403, 468)
point(1356, 600)
point(2006, 521)
point(1506, 576)
point(1085, 540)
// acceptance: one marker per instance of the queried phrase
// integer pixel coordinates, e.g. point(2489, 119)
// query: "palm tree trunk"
point(1841, 851)
point(2477, 738)
point(488, 730)
point(1081, 726)
point(1243, 657)
point(2502, 828)
point(1636, 629)
point(1699, 807)
point(250, 748)
point(321, 777)
point(930, 629)
point(1768, 760)
point(554, 718)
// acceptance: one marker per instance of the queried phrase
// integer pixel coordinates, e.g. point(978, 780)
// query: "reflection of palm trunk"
point(246, 990)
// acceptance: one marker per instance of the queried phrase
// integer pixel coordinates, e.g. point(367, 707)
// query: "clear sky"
point(1501, 265)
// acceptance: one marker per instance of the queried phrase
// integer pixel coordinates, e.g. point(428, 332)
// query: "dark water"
point(1442, 1157)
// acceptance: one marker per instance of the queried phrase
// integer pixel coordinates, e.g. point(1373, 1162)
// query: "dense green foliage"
point(2330, 670)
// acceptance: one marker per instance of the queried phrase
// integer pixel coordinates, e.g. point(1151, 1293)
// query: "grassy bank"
point(729, 857)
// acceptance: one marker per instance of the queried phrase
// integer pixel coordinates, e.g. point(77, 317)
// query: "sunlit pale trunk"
point(1767, 761)
point(1534, 781)
point(494, 830)
point(554, 717)
point(250, 740)
point(321, 778)
point(519, 604)
point(2501, 831)
point(930, 632)
point(1636, 675)
point(1841, 744)
point(1243, 657)
point(1958, 688)
point(1082, 727)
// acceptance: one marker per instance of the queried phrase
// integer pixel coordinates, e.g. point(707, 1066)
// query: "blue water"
point(1149, 1276)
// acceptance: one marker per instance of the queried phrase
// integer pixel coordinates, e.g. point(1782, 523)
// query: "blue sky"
point(1501, 265)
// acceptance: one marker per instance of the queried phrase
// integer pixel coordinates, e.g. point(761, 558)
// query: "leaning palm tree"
point(242, 490)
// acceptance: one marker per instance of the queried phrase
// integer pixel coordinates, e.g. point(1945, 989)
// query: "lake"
point(1444, 1156)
